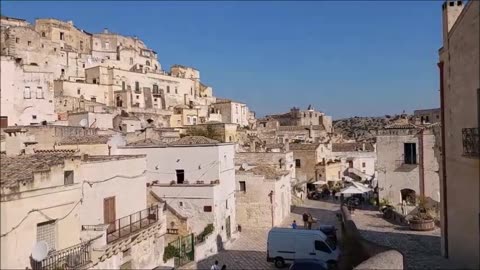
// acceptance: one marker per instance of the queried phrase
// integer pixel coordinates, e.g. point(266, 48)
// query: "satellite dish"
point(40, 251)
point(83, 122)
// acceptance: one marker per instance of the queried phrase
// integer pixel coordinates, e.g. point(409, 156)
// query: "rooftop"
point(352, 147)
point(147, 142)
point(21, 168)
point(74, 140)
point(294, 128)
point(304, 146)
point(194, 140)
point(269, 172)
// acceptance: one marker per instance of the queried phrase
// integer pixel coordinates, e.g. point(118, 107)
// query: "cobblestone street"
point(421, 249)
point(249, 250)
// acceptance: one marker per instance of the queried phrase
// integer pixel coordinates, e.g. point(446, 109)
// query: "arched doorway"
point(409, 196)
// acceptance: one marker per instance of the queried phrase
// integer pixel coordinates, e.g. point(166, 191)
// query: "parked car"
point(285, 245)
point(308, 264)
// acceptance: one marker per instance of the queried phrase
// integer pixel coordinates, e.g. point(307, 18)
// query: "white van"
point(286, 245)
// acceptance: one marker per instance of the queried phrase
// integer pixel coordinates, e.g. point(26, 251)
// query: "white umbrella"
point(320, 183)
point(351, 190)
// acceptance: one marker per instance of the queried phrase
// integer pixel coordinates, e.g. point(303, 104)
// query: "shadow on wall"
point(359, 253)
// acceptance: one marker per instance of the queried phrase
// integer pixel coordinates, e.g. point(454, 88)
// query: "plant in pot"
point(422, 220)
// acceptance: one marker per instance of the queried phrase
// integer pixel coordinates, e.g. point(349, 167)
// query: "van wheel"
point(279, 263)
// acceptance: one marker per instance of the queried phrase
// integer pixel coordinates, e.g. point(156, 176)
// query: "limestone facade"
point(459, 72)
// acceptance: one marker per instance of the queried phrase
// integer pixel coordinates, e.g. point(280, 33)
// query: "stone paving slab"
point(421, 249)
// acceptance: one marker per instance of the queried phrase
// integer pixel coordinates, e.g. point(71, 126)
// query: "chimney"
point(105, 30)
point(450, 12)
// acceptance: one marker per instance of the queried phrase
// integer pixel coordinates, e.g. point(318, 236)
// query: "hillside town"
point(110, 160)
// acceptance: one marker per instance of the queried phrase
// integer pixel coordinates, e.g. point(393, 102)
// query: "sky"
point(346, 58)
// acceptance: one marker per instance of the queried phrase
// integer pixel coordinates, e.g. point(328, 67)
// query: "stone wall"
point(359, 253)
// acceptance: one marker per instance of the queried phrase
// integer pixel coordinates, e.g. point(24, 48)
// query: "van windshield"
point(331, 243)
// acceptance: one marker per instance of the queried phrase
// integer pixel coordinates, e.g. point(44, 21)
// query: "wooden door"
point(109, 215)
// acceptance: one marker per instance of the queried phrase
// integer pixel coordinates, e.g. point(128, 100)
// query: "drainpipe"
point(444, 163)
point(272, 207)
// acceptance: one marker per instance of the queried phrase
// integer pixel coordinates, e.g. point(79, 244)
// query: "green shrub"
point(170, 252)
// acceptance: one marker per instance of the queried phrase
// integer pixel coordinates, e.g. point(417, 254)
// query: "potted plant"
point(422, 220)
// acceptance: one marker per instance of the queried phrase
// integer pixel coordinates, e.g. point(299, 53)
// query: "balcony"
point(131, 224)
point(471, 142)
point(76, 257)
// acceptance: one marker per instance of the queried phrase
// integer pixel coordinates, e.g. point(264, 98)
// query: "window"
point(168, 88)
point(410, 153)
point(310, 115)
point(427, 119)
point(43, 46)
point(39, 92)
point(43, 34)
point(155, 89)
point(236, 109)
point(243, 186)
point(54, 49)
point(363, 164)
point(94, 99)
point(34, 117)
point(321, 246)
point(131, 61)
point(81, 45)
point(62, 35)
point(26, 93)
point(226, 204)
point(46, 232)
point(123, 85)
point(62, 72)
point(107, 45)
point(338, 174)
point(137, 86)
point(17, 40)
point(180, 176)
point(180, 204)
point(68, 177)
point(155, 99)
point(147, 63)
point(29, 43)
point(94, 80)
point(176, 90)
point(78, 91)
point(138, 97)
point(207, 208)
point(229, 138)
point(298, 163)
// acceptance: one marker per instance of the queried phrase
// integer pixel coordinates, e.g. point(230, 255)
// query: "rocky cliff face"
point(363, 128)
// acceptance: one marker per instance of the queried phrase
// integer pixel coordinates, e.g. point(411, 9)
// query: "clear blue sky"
point(354, 58)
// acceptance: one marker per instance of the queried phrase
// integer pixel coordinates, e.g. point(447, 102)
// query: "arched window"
point(43, 34)
point(147, 63)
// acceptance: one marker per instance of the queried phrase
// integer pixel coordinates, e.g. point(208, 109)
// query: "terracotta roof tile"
point(194, 140)
point(352, 147)
point(91, 139)
point(304, 146)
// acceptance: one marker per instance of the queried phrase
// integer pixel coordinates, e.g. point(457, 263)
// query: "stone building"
point(270, 131)
point(460, 101)
point(196, 177)
point(27, 93)
point(233, 112)
point(297, 117)
point(329, 171)
point(358, 159)
point(306, 157)
point(60, 199)
point(263, 196)
point(406, 163)
point(428, 116)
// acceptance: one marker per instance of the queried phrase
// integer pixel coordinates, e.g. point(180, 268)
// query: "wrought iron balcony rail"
point(128, 225)
point(471, 142)
point(75, 257)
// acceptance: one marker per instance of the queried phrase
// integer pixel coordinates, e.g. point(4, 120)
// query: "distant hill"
point(363, 128)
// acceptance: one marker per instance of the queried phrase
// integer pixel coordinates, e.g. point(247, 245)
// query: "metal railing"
point(75, 257)
point(471, 142)
point(133, 223)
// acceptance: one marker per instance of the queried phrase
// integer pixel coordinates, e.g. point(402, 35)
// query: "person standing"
point(305, 220)
point(310, 221)
point(294, 224)
point(215, 266)
point(224, 267)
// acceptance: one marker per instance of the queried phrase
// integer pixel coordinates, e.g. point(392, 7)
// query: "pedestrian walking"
point(294, 224)
point(305, 220)
point(215, 266)
point(310, 221)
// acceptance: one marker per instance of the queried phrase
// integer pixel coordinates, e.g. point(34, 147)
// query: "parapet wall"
point(360, 253)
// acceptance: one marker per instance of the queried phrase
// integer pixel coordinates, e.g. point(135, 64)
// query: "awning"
point(352, 190)
point(320, 183)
